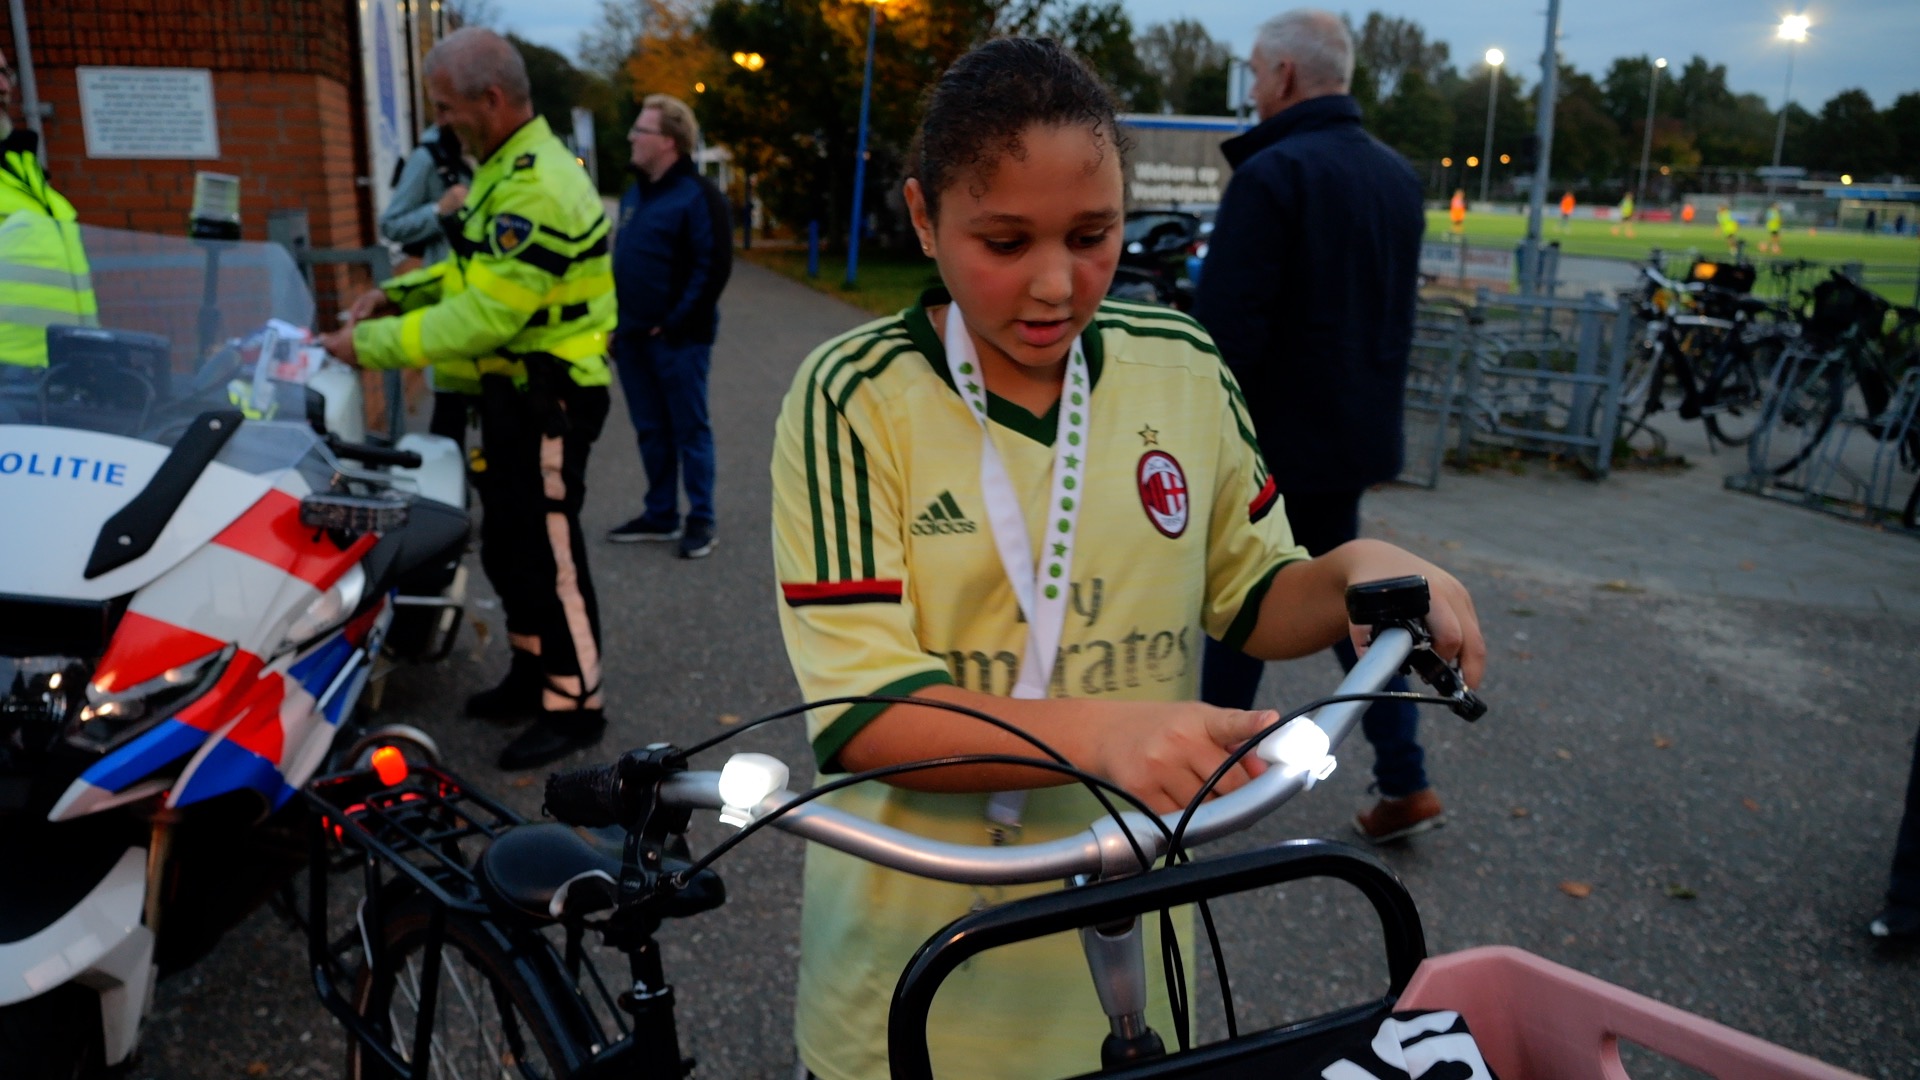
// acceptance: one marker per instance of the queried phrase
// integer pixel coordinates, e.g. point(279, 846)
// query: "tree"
point(1193, 69)
point(1390, 48)
point(473, 12)
point(1902, 120)
point(1512, 116)
point(606, 46)
point(1850, 137)
point(1587, 143)
point(1103, 34)
point(1415, 119)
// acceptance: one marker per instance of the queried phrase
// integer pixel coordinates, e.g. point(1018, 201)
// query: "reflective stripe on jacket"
point(44, 277)
point(530, 276)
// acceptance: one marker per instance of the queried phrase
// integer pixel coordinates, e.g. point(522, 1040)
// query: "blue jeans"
point(666, 391)
point(1230, 678)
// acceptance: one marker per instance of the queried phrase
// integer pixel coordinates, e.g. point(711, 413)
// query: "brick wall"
point(285, 101)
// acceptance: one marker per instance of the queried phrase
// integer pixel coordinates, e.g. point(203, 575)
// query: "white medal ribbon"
point(1042, 590)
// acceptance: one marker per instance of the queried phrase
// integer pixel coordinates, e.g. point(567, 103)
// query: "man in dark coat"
point(671, 257)
point(1309, 290)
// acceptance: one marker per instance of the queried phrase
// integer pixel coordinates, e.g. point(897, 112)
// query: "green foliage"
point(1103, 34)
point(559, 87)
point(1193, 69)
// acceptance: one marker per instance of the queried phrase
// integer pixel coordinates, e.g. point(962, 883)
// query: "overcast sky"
point(1865, 43)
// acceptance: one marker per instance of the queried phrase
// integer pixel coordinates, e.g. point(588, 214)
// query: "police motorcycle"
point(203, 565)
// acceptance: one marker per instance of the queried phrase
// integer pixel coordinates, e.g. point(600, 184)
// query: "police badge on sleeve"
point(509, 232)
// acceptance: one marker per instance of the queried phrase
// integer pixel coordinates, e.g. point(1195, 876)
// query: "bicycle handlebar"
point(1299, 754)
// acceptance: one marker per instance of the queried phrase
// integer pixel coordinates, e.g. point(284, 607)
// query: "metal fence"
point(1535, 373)
point(1864, 465)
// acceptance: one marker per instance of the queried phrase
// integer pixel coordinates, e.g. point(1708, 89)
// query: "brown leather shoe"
point(1397, 819)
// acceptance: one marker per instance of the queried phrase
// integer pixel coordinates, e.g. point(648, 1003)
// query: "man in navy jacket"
point(672, 254)
point(1309, 290)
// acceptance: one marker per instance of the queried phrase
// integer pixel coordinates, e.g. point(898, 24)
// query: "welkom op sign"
point(1176, 160)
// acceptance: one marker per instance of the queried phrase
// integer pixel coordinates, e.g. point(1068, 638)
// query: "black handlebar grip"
point(373, 455)
point(589, 797)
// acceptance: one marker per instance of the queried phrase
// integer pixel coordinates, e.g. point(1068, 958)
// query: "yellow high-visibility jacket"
point(44, 277)
point(530, 275)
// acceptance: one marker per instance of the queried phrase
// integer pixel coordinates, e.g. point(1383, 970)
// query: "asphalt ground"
point(1716, 769)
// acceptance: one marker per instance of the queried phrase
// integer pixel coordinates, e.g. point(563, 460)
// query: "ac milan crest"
point(1163, 492)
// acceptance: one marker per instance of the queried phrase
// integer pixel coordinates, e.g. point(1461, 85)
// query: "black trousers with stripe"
point(531, 492)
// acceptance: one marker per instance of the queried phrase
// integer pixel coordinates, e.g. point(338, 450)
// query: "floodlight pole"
point(1543, 163)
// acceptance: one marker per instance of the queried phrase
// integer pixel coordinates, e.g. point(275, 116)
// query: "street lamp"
point(753, 62)
point(1494, 59)
point(1793, 31)
point(1646, 142)
point(860, 160)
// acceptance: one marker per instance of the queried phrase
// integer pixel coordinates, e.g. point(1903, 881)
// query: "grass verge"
point(887, 282)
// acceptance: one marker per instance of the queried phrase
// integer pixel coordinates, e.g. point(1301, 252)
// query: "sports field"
point(1892, 262)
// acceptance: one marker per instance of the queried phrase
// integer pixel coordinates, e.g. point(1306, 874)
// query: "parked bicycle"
point(1715, 341)
point(469, 951)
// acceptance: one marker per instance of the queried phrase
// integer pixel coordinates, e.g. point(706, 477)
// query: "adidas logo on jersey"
point(943, 517)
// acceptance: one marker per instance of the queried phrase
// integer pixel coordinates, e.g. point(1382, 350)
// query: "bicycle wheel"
point(1735, 392)
point(1803, 399)
point(489, 1019)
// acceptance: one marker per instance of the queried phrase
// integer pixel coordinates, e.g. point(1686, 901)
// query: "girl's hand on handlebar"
point(1451, 615)
point(1164, 753)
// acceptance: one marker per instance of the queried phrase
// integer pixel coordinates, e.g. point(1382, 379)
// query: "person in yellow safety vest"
point(519, 315)
point(1626, 213)
point(1729, 227)
point(1774, 223)
point(44, 277)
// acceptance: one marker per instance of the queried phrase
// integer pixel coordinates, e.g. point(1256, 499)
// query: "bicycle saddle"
point(545, 872)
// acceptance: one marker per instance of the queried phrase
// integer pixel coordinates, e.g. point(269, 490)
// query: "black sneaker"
point(698, 542)
point(553, 736)
point(1899, 922)
point(640, 529)
point(518, 695)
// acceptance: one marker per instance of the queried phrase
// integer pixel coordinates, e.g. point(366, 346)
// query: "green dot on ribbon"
point(1066, 504)
point(1069, 483)
point(1073, 418)
point(1077, 399)
point(966, 369)
point(1054, 570)
point(1053, 592)
point(1073, 438)
point(1065, 526)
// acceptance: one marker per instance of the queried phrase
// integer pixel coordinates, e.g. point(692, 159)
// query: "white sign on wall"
point(144, 112)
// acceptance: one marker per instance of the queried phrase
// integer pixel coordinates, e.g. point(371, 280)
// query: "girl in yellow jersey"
point(1021, 497)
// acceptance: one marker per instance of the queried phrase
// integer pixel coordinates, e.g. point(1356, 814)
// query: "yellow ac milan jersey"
point(891, 581)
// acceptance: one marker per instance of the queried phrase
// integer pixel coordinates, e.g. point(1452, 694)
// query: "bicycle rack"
point(1834, 473)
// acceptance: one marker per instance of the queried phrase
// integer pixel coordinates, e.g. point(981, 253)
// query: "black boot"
point(553, 736)
point(518, 695)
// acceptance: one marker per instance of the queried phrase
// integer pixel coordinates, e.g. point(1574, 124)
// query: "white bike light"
point(745, 781)
point(1301, 746)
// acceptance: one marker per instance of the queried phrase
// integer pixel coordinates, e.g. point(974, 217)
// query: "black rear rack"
point(422, 835)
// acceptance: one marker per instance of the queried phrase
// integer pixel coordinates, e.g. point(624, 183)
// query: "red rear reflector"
point(390, 765)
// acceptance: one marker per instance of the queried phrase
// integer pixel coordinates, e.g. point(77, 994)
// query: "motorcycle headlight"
point(110, 718)
point(329, 609)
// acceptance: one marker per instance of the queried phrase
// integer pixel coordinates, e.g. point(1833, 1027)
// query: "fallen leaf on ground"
point(1523, 612)
point(1579, 890)
point(1620, 585)
point(1563, 754)
point(1450, 545)
point(1750, 804)
point(522, 781)
point(1661, 742)
point(1569, 940)
point(1746, 564)
point(728, 719)
point(1520, 811)
point(1681, 892)
point(257, 1068)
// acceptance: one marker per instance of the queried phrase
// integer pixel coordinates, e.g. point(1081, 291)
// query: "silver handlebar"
point(1297, 758)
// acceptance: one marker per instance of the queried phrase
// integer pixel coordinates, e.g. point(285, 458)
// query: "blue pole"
point(860, 161)
point(813, 248)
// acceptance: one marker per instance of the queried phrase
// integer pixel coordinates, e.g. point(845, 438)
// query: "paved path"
point(1722, 769)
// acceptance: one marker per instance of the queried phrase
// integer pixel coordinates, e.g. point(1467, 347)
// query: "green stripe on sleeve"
point(1168, 332)
point(836, 483)
point(1249, 617)
point(816, 399)
point(863, 496)
point(827, 747)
